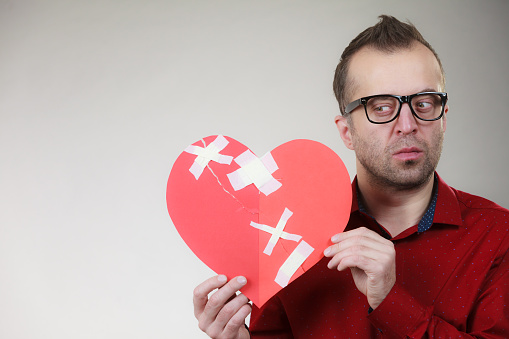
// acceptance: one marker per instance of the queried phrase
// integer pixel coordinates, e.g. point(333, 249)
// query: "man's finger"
point(357, 252)
point(219, 298)
point(361, 232)
point(362, 237)
point(237, 321)
point(201, 292)
point(224, 322)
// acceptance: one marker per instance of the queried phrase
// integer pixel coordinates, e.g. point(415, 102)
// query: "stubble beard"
point(384, 171)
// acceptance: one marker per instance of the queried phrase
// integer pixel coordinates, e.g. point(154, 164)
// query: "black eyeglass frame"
point(402, 99)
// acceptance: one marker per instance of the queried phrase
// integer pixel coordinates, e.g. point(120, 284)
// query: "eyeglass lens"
point(384, 108)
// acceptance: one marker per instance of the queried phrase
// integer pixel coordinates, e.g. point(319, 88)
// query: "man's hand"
point(371, 258)
point(223, 315)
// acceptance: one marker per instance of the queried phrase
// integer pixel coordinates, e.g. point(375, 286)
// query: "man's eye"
point(423, 104)
point(381, 109)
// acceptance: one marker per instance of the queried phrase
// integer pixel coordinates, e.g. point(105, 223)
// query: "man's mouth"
point(408, 153)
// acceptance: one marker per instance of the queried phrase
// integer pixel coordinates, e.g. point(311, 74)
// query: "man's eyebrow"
point(429, 90)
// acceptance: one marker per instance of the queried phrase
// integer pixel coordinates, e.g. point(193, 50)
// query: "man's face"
point(404, 153)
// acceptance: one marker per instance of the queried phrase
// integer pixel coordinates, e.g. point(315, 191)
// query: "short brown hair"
point(388, 35)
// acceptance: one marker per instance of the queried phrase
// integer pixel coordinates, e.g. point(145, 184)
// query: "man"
point(418, 258)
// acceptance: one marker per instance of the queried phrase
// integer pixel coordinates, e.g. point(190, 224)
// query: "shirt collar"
point(443, 209)
point(448, 209)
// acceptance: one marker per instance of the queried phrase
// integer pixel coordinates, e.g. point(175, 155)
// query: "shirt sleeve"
point(402, 316)
point(270, 321)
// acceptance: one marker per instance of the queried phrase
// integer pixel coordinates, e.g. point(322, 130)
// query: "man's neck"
point(396, 209)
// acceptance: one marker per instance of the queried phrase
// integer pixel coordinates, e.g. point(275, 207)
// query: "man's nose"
point(406, 122)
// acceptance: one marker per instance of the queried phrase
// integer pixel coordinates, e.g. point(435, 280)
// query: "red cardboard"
point(215, 220)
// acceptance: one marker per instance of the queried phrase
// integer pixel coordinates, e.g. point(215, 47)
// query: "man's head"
point(400, 152)
point(388, 35)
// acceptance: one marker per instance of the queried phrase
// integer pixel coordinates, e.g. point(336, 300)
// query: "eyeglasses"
point(384, 108)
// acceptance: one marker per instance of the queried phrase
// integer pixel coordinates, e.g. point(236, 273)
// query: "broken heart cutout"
point(269, 218)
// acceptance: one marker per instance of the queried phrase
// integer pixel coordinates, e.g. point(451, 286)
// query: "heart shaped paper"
point(269, 218)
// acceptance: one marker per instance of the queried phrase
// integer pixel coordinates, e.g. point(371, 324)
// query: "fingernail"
point(242, 280)
point(335, 238)
point(221, 278)
point(327, 251)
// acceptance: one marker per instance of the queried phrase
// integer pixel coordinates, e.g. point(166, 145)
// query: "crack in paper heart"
point(224, 189)
point(239, 202)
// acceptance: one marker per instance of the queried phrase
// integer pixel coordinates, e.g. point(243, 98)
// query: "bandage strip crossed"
point(254, 170)
point(277, 232)
point(209, 153)
point(296, 258)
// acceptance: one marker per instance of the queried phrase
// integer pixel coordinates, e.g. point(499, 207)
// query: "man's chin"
point(413, 179)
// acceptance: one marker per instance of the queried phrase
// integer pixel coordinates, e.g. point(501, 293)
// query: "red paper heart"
point(221, 225)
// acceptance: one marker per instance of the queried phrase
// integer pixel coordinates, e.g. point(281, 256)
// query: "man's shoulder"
point(482, 218)
point(476, 210)
point(476, 202)
point(461, 208)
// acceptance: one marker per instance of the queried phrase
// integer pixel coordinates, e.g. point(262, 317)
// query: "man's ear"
point(343, 126)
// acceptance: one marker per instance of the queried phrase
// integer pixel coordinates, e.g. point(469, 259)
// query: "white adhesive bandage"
point(255, 171)
point(277, 232)
point(209, 153)
point(293, 262)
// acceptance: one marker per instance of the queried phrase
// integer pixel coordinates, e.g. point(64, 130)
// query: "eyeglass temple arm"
point(353, 105)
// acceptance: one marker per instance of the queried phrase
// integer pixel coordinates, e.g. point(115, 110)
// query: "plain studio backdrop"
point(98, 98)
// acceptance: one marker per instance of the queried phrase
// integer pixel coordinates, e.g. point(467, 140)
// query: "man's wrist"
point(399, 313)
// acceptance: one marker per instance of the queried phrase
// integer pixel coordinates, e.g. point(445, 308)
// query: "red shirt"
point(452, 282)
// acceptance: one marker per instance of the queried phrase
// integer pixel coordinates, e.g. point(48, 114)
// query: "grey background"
point(98, 98)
